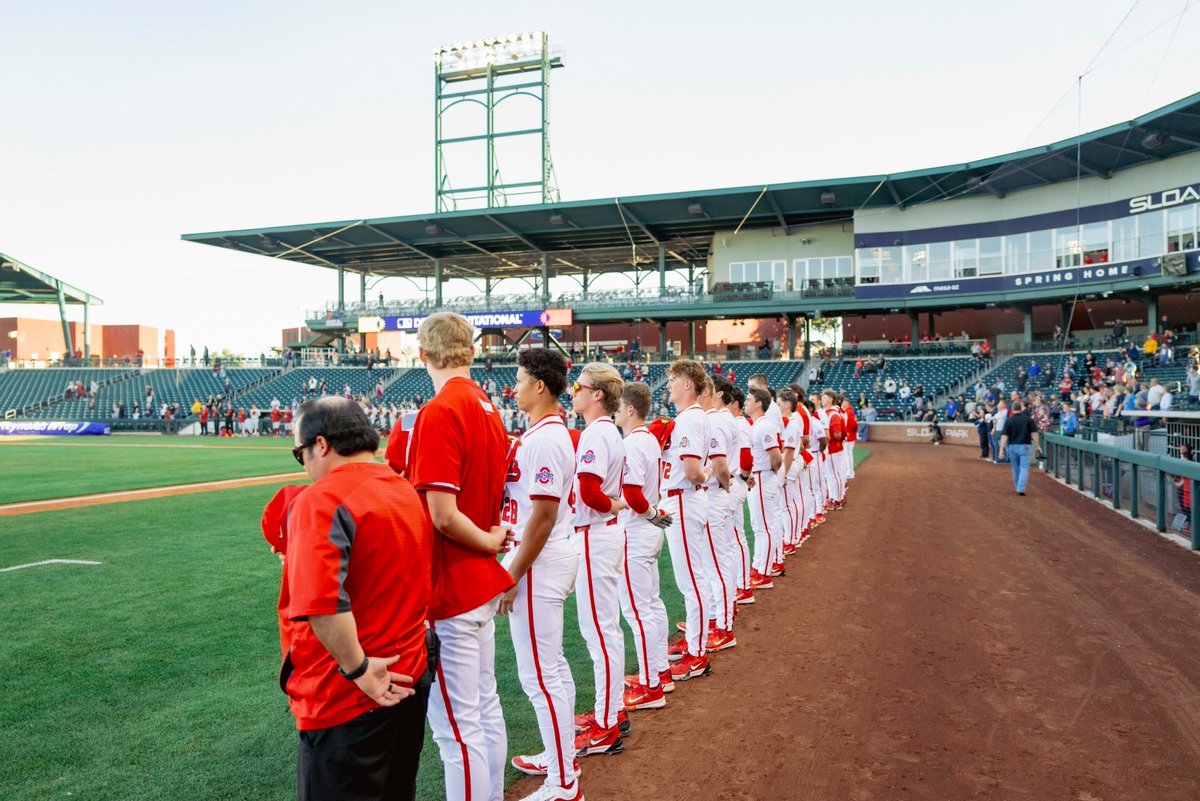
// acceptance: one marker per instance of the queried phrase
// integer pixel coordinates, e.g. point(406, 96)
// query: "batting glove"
point(661, 519)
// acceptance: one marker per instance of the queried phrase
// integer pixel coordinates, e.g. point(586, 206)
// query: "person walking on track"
point(1019, 436)
point(540, 478)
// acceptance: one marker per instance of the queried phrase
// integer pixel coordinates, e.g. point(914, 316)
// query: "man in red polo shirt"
point(457, 461)
point(355, 665)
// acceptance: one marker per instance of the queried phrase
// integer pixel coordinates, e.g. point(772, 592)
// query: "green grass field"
point(152, 675)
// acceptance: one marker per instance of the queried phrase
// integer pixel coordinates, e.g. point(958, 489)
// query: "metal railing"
point(1149, 486)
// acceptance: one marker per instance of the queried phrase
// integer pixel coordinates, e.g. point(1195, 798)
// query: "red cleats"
point(758, 582)
point(788, 549)
point(689, 667)
point(745, 597)
point(677, 651)
point(599, 741)
point(640, 696)
point(719, 640)
point(777, 569)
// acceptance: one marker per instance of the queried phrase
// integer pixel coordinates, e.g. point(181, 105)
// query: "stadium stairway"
point(40, 393)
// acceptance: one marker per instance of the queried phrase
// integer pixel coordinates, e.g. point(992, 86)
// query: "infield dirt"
point(943, 638)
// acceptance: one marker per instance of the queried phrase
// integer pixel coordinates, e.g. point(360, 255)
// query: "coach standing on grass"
point(355, 668)
point(1020, 434)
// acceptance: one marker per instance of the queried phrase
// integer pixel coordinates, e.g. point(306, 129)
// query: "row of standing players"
point(590, 516)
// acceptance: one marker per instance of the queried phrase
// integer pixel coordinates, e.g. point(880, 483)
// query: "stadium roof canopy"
point(620, 233)
point(20, 283)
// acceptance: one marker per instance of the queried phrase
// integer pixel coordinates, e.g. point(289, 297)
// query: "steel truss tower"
point(487, 73)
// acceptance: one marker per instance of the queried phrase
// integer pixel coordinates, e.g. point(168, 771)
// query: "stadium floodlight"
point(486, 72)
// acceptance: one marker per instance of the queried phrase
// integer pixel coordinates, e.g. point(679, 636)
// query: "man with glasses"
point(355, 666)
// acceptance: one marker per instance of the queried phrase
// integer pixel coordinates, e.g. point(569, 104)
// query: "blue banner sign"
point(53, 428)
point(535, 318)
point(1066, 278)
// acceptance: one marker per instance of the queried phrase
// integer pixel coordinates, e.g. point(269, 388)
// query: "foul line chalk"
point(49, 562)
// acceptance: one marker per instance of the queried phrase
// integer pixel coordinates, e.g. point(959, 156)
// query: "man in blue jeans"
point(1019, 437)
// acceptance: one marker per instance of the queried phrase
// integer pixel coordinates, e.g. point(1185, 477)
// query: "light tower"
point(486, 73)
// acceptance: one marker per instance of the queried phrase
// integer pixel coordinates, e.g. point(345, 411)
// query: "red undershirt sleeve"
point(591, 493)
point(634, 497)
point(746, 460)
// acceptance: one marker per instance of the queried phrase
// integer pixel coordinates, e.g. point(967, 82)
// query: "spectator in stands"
point(981, 417)
point(1022, 379)
point(890, 387)
point(1167, 400)
point(1065, 385)
point(1154, 393)
point(1069, 421)
point(952, 410)
point(905, 391)
point(918, 406)
point(867, 415)
point(999, 418)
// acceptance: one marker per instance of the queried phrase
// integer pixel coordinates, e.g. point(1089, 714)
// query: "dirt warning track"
point(943, 638)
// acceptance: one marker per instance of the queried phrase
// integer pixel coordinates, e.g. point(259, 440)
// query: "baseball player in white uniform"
point(764, 505)
point(732, 400)
point(600, 460)
point(790, 489)
point(722, 437)
point(643, 524)
point(819, 442)
point(835, 425)
point(544, 563)
point(683, 481)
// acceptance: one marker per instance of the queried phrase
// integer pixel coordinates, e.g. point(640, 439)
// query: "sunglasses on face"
point(579, 387)
point(298, 451)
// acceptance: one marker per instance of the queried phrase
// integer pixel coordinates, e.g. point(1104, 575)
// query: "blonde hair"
point(606, 378)
point(691, 370)
point(447, 340)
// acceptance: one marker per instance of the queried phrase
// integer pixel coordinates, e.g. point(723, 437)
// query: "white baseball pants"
point(719, 558)
point(464, 709)
point(765, 519)
point(831, 467)
point(598, 581)
point(536, 625)
point(641, 601)
point(849, 450)
point(741, 552)
point(686, 541)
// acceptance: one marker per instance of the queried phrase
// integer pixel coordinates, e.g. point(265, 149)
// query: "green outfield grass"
point(153, 675)
point(36, 470)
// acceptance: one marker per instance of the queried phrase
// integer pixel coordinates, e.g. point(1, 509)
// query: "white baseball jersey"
point(543, 469)
point(689, 439)
point(743, 432)
point(719, 442)
point(643, 468)
point(600, 453)
point(792, 432)
point(764, 436)
point(815, 432)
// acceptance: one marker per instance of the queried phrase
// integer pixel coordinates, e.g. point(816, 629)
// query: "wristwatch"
point(357, 672)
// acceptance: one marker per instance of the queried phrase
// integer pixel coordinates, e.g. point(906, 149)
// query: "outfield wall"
point(953, 433)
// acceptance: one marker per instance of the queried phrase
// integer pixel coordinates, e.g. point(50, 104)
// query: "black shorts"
point(373, 757)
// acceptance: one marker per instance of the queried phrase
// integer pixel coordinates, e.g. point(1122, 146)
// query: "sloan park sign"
point(1165, 199)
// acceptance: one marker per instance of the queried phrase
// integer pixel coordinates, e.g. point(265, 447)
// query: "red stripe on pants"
point(587, 555)
point(537, 665)
point(687, 554)
point(636, 615)
point(454, 726)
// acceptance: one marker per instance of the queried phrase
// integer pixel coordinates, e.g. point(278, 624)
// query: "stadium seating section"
point(22, 388)
point(936, 375)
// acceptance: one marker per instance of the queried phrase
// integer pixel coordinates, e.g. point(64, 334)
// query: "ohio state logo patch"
point(712, 443)
point(683, 443)
point(543, 476)
point(588, 457)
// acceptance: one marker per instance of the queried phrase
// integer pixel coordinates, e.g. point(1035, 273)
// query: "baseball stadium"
point(949, 517)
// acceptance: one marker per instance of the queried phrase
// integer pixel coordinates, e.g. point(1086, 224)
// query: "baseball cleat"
point(818, 520)
point(777, 569)
point(745, 597)
point(599, 741)
point(760, 582)
point(549, 792)
point(690, 667)
point(623, 722)
point(666, 681)
point(788, 549)
point(720, 639)
point(538, 764)
point(642, 697)
point(681, 626)
point(677, 651)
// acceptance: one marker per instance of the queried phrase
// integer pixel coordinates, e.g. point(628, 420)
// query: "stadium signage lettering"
point(52, 428)
point(534, 318)
point(1170, 197)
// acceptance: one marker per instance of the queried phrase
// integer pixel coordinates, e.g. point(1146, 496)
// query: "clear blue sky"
point(129, 123)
